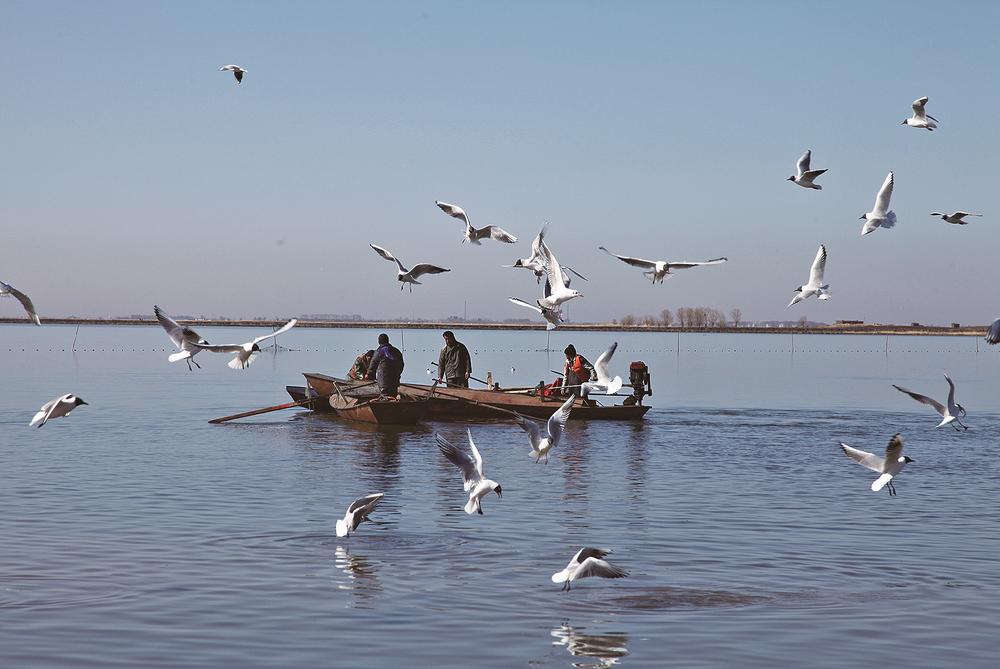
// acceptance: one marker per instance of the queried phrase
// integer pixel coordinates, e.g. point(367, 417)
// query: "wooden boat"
point(379, 411)
point(451, 404)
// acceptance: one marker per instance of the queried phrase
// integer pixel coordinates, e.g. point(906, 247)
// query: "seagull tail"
point(341, 528)
point(615, 385)
point(560, 576)
point(38, 420)
point(880, 482)
point(182, 355)
point(550, 326)
point(472, 506)
point(890, 220)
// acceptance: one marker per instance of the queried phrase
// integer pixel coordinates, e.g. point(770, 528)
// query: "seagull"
point(658, 270)
point(553, 316)
point(955, 218)
point(803, 175)
point(357, 513)
point(880, 216)
point(543, 442)
point(473, 235)
point(604, 381)
point(587, 562)
point(557, 288)
point(920, 118)
point(993, 334)
point(950, 414)
point(246, 353)
point(536, 261)
point(815, 286)
point(7, 290)
point(408, 276)
point(56, 408)
point(187, 340)
point(888, 467)
point(237, 71)
point(476, 483)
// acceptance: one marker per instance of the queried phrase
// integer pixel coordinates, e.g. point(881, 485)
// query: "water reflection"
point(607, 649)
point(362, 577)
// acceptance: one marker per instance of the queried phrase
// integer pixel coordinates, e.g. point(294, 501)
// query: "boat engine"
point(638, 376)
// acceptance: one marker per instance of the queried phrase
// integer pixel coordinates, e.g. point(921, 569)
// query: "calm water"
point(135, 534)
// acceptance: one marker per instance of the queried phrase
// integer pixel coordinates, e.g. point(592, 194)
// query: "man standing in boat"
point(576, 370)
point(386, 367)
point(454, 363)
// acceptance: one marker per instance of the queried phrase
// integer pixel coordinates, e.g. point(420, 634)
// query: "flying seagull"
point(357, 513)
point(587, 562)
point(887, 467)
point(56, 408)
point(950, 414)
point(7, 290)
point(955, 218)
point(604, 381)
point(544, 440)
point(476, 483)
point(473, 235)
point(815, 286)
point(557, 289)
point(993, 334)
point(920, 118)
point(536, 261)
point(247, 353)
point(803, 175)
point(880, 216)
point(408, 276)
point(237, 71)
point(553, 317)
point(187, 340)
point(658, 270)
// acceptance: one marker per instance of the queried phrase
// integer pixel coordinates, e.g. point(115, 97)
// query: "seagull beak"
point(861, 217)
point(82, 402)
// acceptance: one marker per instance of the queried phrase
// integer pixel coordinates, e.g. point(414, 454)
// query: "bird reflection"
point(361, 574)
point(607, 649)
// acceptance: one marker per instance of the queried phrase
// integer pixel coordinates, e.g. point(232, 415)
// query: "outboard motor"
point(638, 376)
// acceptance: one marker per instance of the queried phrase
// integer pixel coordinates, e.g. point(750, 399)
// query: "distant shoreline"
point(865, 329)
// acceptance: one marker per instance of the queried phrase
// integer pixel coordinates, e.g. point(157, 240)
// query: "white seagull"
point(56, 408)
point(949, 414)
point(993, 334)
point(557, 288)
point(880, 216)
point(920, 118)
point(886, 467)
point(815, 286)
point(536, 261)
point(7, 290)
point(476, 483)
point(237, 71)
point(553, 317)
point(357, 513)
point(955, 218)
point(587, 562)
point(604, 381)
point(408, 276)
point(658, 270)
point(247, 353)
point(803, 175)
point(187, 340)
point(543, 442)
point(473, 235)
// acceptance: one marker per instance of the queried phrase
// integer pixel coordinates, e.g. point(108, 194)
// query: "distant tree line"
point(686, 317)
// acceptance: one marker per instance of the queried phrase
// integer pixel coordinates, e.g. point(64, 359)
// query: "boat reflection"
point(606, 649)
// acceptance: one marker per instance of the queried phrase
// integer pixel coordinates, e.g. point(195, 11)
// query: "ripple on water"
point(39, 591)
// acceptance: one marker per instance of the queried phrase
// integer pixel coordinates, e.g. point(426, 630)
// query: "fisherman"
point(454, 363)
point(386, 367)
point(576, 370)
point(360, 367)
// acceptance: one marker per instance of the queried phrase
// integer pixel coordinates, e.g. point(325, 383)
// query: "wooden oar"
point(279, 407)
point(471, 377)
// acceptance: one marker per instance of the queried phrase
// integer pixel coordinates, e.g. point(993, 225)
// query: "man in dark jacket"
point(386, 367)
point(454, 363)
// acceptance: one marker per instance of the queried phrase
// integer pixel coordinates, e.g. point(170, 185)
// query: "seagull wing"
point(175, 331)
point(811, 174)
point(961, 214)
point(425, 268)
point(993, 334)
point(476, 457)
point(596, 567)
point(635, 262)
point(695, 263)
point(454, 211)
point(601, 364)
point(869, 460)
point(894, 449)
point(221, 348)
point(536, 245)
point(385, 253)
point(923, 399)
point(918, 108)
point(500, 234)
point(360, 508)
point(284, 328)
point(533, 428)
point(570, 269)
point(585, 553)
point(525, 304)
point(803, 165)
point(818, 267)
point(557, 422)
point(951, 391)
point(463, 461)
point(557, 281)
point(884, 193)
point(23, 299)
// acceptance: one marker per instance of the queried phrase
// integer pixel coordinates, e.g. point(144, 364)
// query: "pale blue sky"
point(134, 172)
